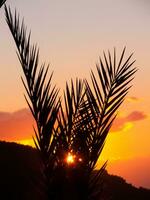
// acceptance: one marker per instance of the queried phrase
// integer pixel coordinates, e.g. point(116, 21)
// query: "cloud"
point(125, 123)
point(16, 126)
point(133, 99)
point(136, 116)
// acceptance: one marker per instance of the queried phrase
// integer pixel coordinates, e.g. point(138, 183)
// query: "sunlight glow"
point(127, 126)
point(80, 159)
point(28, 142)
point(70, 158)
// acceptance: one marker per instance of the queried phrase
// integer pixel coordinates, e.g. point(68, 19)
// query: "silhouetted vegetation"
point(75, 125)
point(2, 2)
point(20, 175)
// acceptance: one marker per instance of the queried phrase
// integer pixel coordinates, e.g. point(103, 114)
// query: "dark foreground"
point(21, 179)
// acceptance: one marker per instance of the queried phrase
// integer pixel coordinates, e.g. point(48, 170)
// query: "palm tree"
point(2, 2)
point(70, 131)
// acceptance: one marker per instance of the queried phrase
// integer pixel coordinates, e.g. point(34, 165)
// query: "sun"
point(70, 159)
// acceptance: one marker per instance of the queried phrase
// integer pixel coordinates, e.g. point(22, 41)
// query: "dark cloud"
point(4, 116)
point(16, 126)
point(118, 124)
point(136, 116)
point(121, 122)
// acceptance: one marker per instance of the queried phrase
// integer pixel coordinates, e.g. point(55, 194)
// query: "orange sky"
point(72, 35)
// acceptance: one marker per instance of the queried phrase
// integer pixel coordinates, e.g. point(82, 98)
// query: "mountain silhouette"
point(20, 172)
point(21, 177)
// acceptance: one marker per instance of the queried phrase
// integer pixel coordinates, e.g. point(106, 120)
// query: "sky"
point(71, 36)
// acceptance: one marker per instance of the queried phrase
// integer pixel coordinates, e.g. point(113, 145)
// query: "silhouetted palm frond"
point(110, 87)
point(42, 97)
point(2, 2)
point(87, 121)
point(73, 130)
point(78, 124)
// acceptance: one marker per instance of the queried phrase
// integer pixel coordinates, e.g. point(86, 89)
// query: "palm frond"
point(110, 87)
point(2, 2)
point(75, 127)
point(80, 123)
point(68, 121)
point(41, 96)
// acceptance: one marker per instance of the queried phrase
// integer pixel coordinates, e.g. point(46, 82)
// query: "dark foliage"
point(116, 188)
point(78, 123)
point(2, 2)
point(20, 172)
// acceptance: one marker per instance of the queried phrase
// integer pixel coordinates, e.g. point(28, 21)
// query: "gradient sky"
point(71, 36)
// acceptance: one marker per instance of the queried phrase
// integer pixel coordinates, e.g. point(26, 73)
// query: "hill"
point(20, 177)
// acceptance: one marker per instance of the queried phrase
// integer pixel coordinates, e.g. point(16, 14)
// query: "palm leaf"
point(2, 2)
point(41, 96)
point(78, 124)
point(110, 87)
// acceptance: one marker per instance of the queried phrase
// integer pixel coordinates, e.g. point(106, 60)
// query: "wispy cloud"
point(133, 99)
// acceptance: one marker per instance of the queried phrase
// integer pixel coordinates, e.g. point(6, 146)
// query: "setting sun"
point(70, 158)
